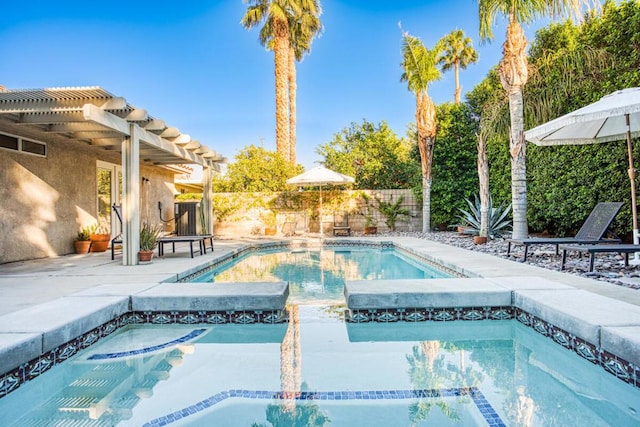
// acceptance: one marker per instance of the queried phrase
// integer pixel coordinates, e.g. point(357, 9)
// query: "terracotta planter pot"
point(479, 240)
point(269, 231)
point(100, 242)
point(82, 246)
point(145, 256)
point(370, 230)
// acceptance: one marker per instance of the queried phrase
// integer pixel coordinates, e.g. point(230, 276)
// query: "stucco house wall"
point(45, 200)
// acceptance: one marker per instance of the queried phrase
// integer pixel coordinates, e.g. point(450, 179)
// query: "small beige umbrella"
point(320, 176)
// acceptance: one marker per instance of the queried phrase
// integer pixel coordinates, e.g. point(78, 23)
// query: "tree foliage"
point(373, 154)
point(419, 69)
point(457, 53)
point(256, 169)
point(571, 66)
point(455, 176)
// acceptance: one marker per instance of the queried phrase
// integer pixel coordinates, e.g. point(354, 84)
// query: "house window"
point(34, 147)
point(9, 142)
point(14, 143)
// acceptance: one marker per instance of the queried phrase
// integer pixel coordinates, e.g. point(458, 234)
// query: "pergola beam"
point(94, 114)
point(59, 105)
point(51, 117)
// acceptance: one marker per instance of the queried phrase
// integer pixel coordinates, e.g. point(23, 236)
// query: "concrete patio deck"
point(28, 283)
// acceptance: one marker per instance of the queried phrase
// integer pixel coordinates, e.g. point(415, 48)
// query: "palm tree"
point(302, 30)
point(275, 36)
point(458, 52)
point(513, 70)
point(420, 69)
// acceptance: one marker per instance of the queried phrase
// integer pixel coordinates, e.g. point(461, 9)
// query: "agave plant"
point(498, 223)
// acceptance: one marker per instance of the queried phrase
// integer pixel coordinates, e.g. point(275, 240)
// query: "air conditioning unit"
point(187, 216)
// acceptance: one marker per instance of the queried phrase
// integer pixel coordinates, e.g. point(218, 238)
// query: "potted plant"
point(149, 236)
point(270, 220)
point(83, 239)
point(497, 220)
point(99, 240)
point(370, 221)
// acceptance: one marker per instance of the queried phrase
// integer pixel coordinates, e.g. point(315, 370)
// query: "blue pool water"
point(317, 370)
point(316, 275)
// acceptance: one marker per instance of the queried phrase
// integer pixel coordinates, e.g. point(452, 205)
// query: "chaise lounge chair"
point(591, 232)
point(341, 224)
point(592, 250)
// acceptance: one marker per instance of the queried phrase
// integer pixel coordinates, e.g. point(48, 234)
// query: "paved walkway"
point(25, 284)
point(28, 283)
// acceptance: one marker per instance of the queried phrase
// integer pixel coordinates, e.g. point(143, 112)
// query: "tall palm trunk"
point(292, 105)
point(483, 177)
point(427, 126)
point(513, 76)
point(281, 53)
point(456, 72)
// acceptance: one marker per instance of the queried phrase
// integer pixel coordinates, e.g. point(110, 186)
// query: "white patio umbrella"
point(614, 117)
point(320, 176)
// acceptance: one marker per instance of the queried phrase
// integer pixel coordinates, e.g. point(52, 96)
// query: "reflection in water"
point(518, 405)
point(428, 370)
point(291, 360)
point(319, 275)
point(104, 393)
point(292, 413)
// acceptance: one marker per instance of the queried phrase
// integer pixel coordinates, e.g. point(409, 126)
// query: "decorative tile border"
point(429, 314)
point(13, 379)
point(490, 415)
point(616, 366)
point(120, 354)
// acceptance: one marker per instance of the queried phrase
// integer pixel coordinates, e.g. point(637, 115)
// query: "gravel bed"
point(609, 267)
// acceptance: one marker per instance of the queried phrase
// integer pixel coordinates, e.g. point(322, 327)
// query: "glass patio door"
point(109, 191)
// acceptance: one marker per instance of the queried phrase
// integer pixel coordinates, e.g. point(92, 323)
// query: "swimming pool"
point(317, 275)
point(316, 367)
point(157, 393)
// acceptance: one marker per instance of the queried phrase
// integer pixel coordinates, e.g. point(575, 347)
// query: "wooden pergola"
point(91, 115)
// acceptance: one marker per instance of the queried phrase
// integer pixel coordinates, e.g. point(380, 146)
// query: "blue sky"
point(193, 65)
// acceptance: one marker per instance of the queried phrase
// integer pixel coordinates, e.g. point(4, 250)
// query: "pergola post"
point(131, 194)
point(207, 195)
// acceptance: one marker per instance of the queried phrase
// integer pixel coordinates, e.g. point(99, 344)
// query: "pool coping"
point(97, 312)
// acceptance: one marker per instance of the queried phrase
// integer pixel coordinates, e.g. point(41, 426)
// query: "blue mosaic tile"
point(443, 316)
point(501, 313)
point(8, 383)
point(191, 335)
point(540, 327)
point(561, 338)
point(487, 411)
point(40, 366)
point(585, 351)
point(472, 315)
point(616, 368)
point(66, 352)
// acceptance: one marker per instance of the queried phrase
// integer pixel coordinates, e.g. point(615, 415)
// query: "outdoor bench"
point(201, 240)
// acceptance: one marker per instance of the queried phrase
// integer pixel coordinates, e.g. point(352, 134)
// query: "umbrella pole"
point(632, 179)
point(321, 230)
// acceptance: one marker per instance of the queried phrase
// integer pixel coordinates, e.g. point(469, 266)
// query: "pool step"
point(105, 394)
